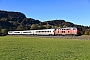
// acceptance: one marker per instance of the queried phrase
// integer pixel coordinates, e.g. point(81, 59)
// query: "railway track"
point(83, 37)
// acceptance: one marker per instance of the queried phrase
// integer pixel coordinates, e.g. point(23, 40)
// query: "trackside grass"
point(35, 48)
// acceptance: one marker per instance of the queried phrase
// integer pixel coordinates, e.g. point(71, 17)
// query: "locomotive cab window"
point(74, 29)
point(63, 31)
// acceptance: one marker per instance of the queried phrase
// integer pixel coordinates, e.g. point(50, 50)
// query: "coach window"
point(26, 32)
point(10, 32)
point(17, 32)
point(36, 31)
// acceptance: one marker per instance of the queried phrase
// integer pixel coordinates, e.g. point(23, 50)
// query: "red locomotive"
point(67, 31)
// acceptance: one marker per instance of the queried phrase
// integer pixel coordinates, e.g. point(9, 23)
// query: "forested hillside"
point(18, 21)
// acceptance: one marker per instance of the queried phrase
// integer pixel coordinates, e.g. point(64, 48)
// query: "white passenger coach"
point(33, 32)
point(44, 32)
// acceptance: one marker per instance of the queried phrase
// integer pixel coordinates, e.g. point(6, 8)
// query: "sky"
point(75, 11)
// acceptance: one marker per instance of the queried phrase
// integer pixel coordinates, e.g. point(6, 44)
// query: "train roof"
point(45, 30)
point(67, 28)
point(35, 30)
